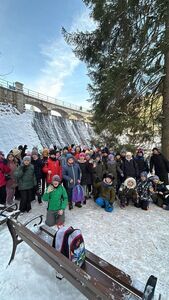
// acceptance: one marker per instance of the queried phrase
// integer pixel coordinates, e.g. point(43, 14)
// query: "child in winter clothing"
point(144, 190)
point(84, 174)
point(57, 201)
point(106, 193)
point(127, 192)
point(160, 195)
point(72, 176)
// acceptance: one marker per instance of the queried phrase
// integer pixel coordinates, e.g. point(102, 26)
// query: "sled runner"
point(97, 279)
point(8, 212)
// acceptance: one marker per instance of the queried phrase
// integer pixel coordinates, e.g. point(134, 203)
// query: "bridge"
point(17, 95)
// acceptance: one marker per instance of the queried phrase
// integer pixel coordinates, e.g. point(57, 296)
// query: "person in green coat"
point(26, 180)
point(57, 198)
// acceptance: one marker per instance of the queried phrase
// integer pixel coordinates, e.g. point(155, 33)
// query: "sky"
point(33, 50)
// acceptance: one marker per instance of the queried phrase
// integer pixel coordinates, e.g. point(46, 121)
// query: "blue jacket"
point(71, 172)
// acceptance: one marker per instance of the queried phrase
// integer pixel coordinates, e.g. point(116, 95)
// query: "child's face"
point(55, 183)
point(130, 183)
point(117, 156)
point(26, 162)
point(10, 157)
point(81, 158)
point(143, 178)
point(108, 180)
point(35, 157)
point(155, 181)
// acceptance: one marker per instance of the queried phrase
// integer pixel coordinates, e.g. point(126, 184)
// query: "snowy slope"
point(37, 129)
point(133, 240)
point(16, 129)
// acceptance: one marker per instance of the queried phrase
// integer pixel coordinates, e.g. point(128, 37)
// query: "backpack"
point(70, 243)
point(78, 194)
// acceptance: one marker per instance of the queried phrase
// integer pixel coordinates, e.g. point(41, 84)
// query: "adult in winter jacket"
point(98, 172)
point(4, 169)
point(141, 162)
point(113, 168)
point(72, 176)
point(52, 167)
point(84, 174)
point(57, 201)
point(45, 154)
point(11, 182)
point(160, 165)
point(37, 163)
point(26, 180)
point(120, 174)
point(129, 167)
point(63, 157)
point(106, 193)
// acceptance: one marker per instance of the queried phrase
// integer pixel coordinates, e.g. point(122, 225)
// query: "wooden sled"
point(97, 279)
point(9, 212)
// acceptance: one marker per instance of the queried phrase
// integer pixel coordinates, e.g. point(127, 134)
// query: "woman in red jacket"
point(52, 167)
point(4, 170)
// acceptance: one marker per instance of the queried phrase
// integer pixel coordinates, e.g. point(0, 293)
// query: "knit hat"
point(143, 174)
point(34, 152)
point(109, 176)
point(16, 152)
point(69, 155)
point(66, 148)
point(82, 154)
point(52, 152)
point(130, 179)
point(128, 153)
point(56, 178)
point(155, 177)
point(110, 156)
point(28, 158)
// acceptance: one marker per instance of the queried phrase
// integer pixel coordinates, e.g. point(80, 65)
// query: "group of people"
point(102, 173)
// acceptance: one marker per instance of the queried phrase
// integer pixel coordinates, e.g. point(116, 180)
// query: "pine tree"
point(127, 55)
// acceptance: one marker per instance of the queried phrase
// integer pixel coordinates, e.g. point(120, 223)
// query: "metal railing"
point(12, 86)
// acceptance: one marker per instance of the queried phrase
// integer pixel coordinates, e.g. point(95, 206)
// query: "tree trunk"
point(165, 107)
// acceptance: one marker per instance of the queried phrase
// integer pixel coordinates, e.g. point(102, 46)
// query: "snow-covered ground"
point(133, 240)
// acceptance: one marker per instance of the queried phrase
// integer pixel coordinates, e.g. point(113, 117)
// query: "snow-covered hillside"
point(133, 240)
point(16, 129)
point(36, 129)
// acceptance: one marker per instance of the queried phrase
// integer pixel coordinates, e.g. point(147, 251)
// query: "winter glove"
point(50, 189)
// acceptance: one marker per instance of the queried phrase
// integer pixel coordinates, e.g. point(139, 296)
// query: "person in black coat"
point(37, 163)
point(160, 165)
point(129, 167)
point(141, 162)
